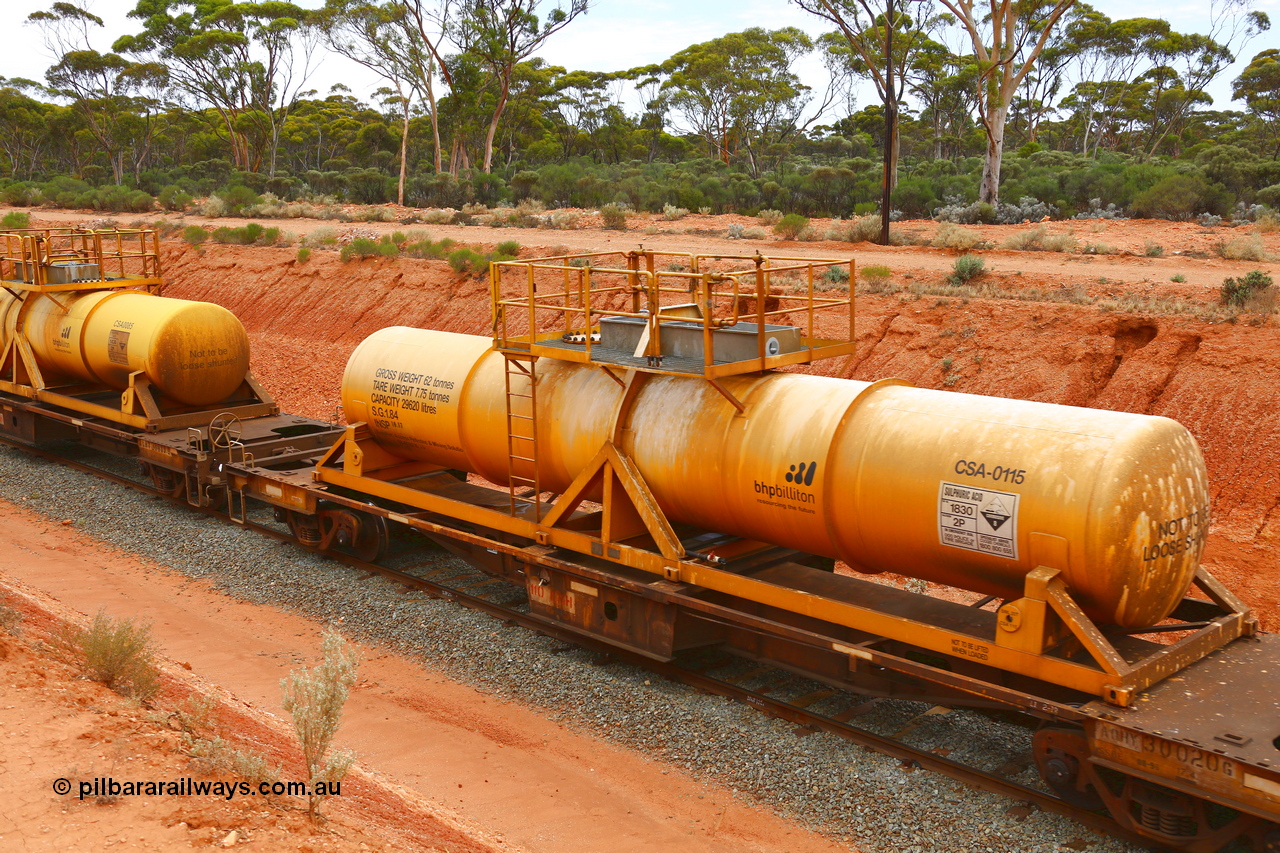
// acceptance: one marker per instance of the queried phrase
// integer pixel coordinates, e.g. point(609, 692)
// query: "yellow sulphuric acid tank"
point(937, 485)
point(196, 353)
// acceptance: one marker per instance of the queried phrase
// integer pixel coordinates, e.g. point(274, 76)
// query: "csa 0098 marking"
point(982, 520)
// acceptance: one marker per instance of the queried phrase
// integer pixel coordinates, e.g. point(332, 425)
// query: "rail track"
point(779, 693)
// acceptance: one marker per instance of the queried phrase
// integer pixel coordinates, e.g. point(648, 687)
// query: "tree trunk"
point(435, 119)
point(897, 153)
point(404, 153)
point(989, 190)
point(493, 124)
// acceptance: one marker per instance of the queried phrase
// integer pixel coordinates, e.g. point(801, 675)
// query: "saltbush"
point(120, 654)
point(952, 236)
point(966, 268)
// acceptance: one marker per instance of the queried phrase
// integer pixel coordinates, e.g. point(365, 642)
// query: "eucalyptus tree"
point(430, 18)
point(739, 92)
point(1185, 65)
point(497, 35)
point(878, 37)
point(116, 98)
point(1008, 37)
point(1109, 56)
point(1259, 87)
point(24, 129)
point(944, 86)
point(247, 62)
point(383, 38)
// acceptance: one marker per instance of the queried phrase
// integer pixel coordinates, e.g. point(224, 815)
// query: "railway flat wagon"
point(631, 449)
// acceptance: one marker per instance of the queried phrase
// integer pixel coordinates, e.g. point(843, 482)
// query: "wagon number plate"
point(1163, 757)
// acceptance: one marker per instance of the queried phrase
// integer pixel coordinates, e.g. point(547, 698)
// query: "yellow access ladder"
point(522, 431)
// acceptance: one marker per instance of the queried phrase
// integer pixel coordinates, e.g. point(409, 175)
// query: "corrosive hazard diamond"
point(995, 513)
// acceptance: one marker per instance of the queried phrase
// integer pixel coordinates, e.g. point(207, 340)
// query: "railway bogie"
point(1187, 756)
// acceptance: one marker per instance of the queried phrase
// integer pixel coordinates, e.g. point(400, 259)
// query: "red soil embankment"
point(1221, 380)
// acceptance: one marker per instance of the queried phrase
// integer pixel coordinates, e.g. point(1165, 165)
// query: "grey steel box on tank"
point(72, 272)
point(684, 339)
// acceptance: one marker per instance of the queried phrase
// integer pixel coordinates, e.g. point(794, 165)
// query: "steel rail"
point(774, 707)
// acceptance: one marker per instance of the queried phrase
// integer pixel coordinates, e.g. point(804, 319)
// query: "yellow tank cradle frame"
point(565, 300)
point(61, 263)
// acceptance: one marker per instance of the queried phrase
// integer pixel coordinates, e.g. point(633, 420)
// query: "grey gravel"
point(823, 782)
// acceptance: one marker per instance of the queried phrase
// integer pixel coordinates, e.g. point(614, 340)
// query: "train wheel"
point(359, 534)
point(1060, 754)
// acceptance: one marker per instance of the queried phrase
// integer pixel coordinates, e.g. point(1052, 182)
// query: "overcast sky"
point(616, 35)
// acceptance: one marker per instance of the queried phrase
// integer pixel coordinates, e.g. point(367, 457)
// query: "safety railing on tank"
point(66, 259)
point(553, 307)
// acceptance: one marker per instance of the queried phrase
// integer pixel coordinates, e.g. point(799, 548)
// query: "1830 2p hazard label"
point(978, 519)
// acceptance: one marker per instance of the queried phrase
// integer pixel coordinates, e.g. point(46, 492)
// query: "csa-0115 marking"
point(981, 520)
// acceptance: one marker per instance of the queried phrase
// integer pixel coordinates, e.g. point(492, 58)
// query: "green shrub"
point(1153, 250)
point(1240, 292)
point(614, 217)
point(247, 235)
point(16, 219)
point(1177, 278)
point(835, 278)
point(1270, 196)
point(507, 248)
point(467, 260)
point(237, 198)
point(21, 195)
point(966, 268)
point(304, 254)
point(173, 197)
point(1181, 197)
point(791, 226)
point(194, 234)
point(876, 275)
point(360, 247)
point(120, 654)
point(425, 248)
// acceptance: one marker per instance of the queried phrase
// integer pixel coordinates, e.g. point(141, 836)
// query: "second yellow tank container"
point(886, 477)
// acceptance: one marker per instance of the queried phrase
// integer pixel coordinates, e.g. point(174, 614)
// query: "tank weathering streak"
point(968, 491)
